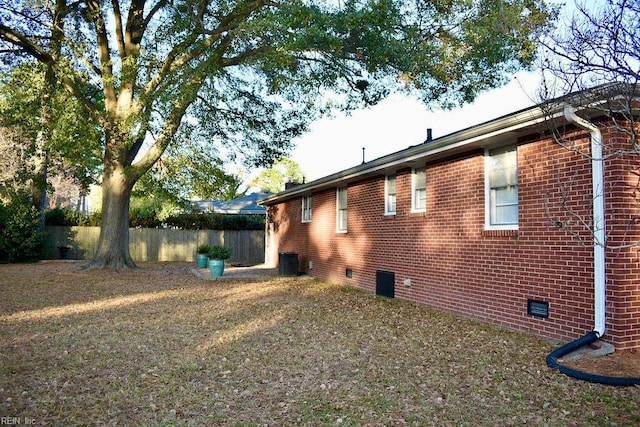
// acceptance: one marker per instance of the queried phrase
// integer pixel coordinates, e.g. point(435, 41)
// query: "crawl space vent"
point(538, 308)
point(385, 283)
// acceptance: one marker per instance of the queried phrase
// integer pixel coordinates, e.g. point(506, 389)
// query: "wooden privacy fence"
point(150, 244)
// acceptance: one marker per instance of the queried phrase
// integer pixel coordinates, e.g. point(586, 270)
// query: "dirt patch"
point(618, 364)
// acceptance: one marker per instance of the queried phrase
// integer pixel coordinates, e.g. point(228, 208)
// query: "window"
point(419, 196)
point(341, 203)
point(502, 188)
point(390, 195)
point(306, 209)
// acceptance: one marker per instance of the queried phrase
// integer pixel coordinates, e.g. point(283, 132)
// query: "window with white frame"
point(419, 193)
point(390, 195)
point(341, 204)
point(501, 168)
point(306, 209)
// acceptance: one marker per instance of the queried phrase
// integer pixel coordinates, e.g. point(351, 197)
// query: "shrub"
point(94, 219)
point(220, 252)
point(66, 217)
point(144, 217)
point(190, 222)
point(21, 239)
point(213, 221)
point(204, 249)
point(147, 217)
point(243, 222)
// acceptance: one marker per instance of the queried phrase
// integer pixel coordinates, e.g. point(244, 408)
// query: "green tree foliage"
point(215, 221)
point(180, 176)
point(250, 75)
point(73, 149)
point(149, 211)
point(21, 239)
point(189, 173)
point(66, 217)
point(275, 178)
point(149, 218)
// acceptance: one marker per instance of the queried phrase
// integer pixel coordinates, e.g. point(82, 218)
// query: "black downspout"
point(593, 378)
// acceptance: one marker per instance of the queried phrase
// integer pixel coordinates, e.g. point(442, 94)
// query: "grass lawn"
point(158, 346)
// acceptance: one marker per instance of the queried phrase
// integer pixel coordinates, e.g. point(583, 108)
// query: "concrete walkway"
point(260, 271)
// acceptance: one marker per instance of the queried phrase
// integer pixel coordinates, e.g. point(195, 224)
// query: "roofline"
point(457, 142)
point(242, 211)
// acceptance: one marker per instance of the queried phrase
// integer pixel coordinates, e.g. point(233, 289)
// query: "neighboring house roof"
point(246, 205)
point(490, 134)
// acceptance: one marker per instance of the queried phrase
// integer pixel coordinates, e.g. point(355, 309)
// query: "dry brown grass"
point(159, 346)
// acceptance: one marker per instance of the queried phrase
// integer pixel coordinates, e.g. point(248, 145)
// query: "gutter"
point(457, 142)
point(454, 143)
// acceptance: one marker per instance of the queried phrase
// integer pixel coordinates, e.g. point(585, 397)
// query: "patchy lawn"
point(159, 346)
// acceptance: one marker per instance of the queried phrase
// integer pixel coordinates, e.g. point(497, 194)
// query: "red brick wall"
point(622, 177)
point(455, 265)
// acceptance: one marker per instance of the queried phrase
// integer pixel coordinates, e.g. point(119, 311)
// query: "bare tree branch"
point(598, 59)
point(106, 66)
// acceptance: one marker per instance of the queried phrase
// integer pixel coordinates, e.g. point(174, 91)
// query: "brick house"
point(487, 222)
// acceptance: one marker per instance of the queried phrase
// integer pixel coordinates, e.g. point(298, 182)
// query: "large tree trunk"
point(113, 245)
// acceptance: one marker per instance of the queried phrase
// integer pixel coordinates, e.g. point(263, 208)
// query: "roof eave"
point(478, 136)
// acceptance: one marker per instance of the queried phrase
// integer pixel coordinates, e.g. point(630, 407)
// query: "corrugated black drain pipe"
point(593, 378)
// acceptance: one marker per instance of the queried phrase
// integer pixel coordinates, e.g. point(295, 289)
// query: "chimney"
point(290, 184)
point(429, 135)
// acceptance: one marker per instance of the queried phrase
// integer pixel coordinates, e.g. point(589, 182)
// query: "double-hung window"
point(502, 188)
point(419, 187)
point(341, 205)
point(390, 195)
point(306, 209)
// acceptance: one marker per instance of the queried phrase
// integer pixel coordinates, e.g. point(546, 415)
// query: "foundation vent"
point(385, 283)
point(537, 308)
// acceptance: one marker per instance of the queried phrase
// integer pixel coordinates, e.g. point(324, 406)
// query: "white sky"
point(336, 144)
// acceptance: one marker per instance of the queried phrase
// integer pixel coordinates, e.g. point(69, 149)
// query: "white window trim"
point(487, 196)
point(413, 190)
point(387, 211)
point(304, 220)
point(338, 229)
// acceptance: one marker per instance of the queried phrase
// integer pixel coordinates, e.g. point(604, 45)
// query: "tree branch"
point(83, 58)
point(244, 56)
point(15, 38)
point(157, 7)
point(117, 17)
point(25, 45)
point(135, 28)
point(180, 54)
point(104, 55)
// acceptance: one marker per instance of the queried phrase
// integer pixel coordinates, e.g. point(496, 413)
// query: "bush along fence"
point(153, 244)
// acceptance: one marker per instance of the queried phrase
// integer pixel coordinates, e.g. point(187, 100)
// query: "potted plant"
point(203, 255)
point(217, 255)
